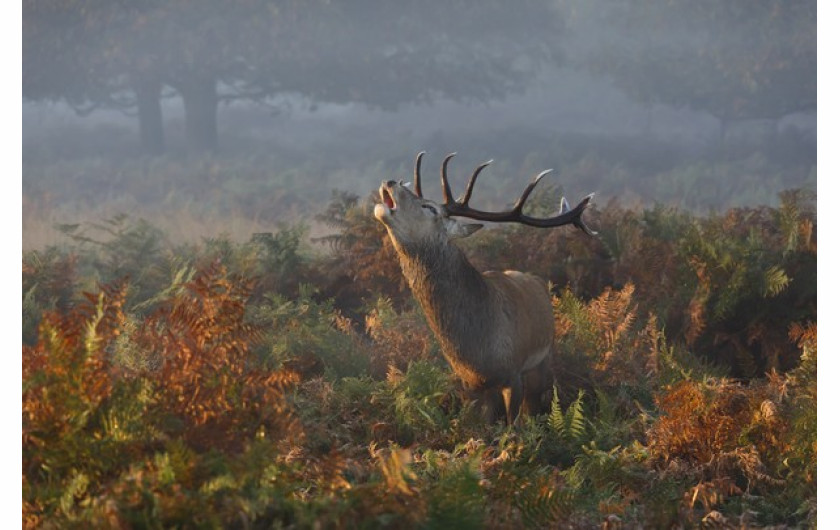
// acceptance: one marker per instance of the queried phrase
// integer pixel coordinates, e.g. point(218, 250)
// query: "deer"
point(495, 328)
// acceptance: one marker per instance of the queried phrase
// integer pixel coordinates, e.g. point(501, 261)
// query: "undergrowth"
point(269, 384)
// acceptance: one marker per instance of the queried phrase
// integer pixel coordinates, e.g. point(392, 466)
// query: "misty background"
point(209, 116)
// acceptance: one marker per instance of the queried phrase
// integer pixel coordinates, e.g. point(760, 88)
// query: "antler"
point(461, 206)
point(418, 189)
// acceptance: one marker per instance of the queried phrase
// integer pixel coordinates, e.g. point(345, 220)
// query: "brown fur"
point(494, 328)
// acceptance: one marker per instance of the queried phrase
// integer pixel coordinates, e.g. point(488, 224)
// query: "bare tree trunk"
point(149, 113)
point(201, 104)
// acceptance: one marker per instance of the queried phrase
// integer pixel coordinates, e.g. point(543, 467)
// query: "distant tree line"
point(129, 54)
point(750, 59)
point(735, 60)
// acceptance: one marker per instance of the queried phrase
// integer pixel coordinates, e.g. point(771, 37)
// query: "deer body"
point(493, 327)
point(490, 326)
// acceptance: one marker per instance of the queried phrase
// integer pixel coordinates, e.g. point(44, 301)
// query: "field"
point(223, 378)
point(216, 331)
point(284, 170)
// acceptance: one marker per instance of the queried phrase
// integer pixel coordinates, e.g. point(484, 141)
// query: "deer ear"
point(457, 229)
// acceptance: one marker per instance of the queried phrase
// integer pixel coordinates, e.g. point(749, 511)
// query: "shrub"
point(398, 339)
point(305, 334)
point(91, 426)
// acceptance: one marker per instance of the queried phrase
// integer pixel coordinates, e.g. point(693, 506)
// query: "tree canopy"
point(735, 60)
point(118, 53)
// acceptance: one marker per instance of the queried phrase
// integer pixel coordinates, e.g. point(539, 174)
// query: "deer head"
point(496, 327)
point(410, 217)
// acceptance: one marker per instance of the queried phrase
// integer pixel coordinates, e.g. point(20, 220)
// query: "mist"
point(212, 117)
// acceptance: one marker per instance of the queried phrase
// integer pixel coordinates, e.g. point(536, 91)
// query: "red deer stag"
point(494, 328)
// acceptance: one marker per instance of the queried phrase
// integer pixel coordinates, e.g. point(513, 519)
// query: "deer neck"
point(454, 296)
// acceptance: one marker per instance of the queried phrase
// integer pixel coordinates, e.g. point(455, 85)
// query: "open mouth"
point(387, 198)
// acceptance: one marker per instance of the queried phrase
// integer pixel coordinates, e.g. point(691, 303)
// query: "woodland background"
point(215, 330)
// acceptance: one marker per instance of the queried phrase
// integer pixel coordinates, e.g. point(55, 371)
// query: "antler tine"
point(418, 188)
point(578, 222)
point(461, 207)
point(444, 181)
point(524, 197)
point(468, 192)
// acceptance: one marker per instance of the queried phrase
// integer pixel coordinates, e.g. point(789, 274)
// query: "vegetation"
point(72, 175)
point(750, 60)
point(281, 382)
point(94, 54)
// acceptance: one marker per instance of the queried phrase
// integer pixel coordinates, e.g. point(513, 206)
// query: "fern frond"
point(569, 425)
point(575, 419)
point(556, 419)
point(542, 506)
point(775, 281)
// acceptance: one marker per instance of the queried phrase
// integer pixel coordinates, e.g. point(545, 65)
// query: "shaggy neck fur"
point(457, 302)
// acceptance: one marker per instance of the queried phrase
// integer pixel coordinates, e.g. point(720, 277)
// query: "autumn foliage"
point(191, 379)
point(277, 383)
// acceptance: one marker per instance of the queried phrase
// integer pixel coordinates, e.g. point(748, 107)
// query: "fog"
point(558, 102)
point(229, 117)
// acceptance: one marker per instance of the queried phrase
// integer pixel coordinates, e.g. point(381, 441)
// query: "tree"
point(374, 52)
point(752, 59)
point(75, 51)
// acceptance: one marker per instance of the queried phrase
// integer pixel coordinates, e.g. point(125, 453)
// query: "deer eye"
point(430, 209)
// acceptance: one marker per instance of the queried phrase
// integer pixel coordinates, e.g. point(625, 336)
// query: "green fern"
point(419, 396)
point(605, 475)
point(544, 507)
point(456, 499)
point(125, 417)
point(281, 251)
point(575, 419)
point(556, 420)
point(568, 426)
point(305, 326)
point(76, 489)
point(775, 281)
point(789, 215)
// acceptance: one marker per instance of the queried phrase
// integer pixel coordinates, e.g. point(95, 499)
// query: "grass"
point(74, 173)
